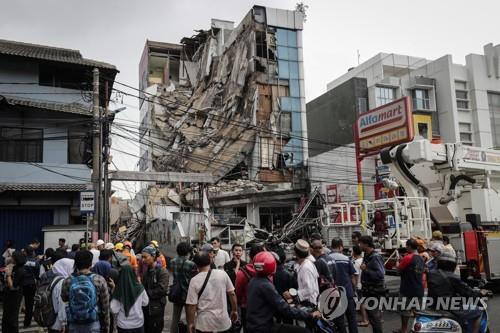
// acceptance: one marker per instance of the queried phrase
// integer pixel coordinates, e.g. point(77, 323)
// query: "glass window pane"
point(281, 37)
point(292, 38)
point(296, 122)
point(283, 71)
point(296, 104)
point(286, 104)
point(461, 94)
point(294, 88)
point(294, 70)
point(293, 54)
point(286, 122)
point(283, 52)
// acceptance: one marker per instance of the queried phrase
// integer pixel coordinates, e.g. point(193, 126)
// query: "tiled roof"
point(50, 53)
point(48, 105)
point(43, 187)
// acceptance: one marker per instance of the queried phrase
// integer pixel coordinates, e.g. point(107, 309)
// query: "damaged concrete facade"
point(230, 101)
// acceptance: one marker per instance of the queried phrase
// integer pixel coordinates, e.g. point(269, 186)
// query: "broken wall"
point(230, 109)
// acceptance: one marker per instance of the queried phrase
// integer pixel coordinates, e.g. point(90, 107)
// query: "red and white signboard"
point(385, 126)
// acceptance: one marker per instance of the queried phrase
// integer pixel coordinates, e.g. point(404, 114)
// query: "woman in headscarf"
point(13, 293)
point(62, 269)
point(127, 301)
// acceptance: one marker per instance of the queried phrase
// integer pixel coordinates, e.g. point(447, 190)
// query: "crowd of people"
point(105, 287)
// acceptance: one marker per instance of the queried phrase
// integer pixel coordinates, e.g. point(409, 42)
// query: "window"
point(423, 130)
point(286, 122)
point(466, 137)
point(461, 94)
point(462, 99)
point(494, 106)
point(421, 99)
point(464, 127)
point(460, 85)
point(463, 104)
point(63, 76)
point(384, 95)
point(21, 144)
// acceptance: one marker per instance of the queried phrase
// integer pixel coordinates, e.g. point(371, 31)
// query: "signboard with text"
point(385, 126)
point(87, 202)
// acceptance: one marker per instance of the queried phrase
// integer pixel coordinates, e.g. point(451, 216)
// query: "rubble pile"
point(209, 128)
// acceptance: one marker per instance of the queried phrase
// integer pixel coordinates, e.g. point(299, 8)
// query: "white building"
point(452, 101)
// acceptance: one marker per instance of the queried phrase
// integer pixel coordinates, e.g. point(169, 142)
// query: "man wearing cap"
point(119, 259)
point(155, 282)
point(307, 275)
point(100, 244)
point(160, 258)
point(443, 283)
point(435, 251)
point(437, 237)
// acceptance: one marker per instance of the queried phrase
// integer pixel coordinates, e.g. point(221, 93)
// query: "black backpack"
point(43, 309)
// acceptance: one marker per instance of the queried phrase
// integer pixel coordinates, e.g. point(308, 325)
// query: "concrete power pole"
point(96, 152)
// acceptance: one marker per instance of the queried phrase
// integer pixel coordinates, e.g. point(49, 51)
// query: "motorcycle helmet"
point(264, 264)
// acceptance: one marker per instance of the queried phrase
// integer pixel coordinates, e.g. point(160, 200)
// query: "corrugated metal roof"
point(48, 105)
point(43, 187)
point(50, 53)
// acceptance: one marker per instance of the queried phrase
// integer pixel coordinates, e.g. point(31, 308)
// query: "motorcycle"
point(429, 321)
point(319, 325)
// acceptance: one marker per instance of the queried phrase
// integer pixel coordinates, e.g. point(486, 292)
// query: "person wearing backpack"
point(13, 293)
point(50, 310)
point(155, 281)
point(128, 299)
point(87, 297)
point(182, 269)
point(32, 269)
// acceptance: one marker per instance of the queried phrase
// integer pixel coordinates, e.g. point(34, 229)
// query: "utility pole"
point(106, 132)
point(96, 152)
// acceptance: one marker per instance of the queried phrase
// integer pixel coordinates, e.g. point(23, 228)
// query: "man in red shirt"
point(242, 278)
point(411, 269)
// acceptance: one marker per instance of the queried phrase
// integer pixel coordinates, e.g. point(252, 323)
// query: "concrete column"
point(253, 215)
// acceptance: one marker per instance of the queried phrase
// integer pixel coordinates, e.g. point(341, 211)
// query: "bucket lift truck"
point(462, 184)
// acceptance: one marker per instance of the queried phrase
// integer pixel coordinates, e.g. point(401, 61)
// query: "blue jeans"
point(94, 327)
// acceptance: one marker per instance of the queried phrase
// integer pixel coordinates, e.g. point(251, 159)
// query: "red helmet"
point(264, 264)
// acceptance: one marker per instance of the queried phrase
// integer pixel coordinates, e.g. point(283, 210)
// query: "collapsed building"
point(229, 101)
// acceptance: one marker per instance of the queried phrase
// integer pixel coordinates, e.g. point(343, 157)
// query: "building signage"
point(385, 126)
point(87, 202)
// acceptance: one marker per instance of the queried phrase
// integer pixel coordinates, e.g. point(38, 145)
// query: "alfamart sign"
point(385, 126)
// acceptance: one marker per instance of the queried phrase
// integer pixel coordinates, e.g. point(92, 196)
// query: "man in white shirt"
point(307, 274)
point(209, 305)
point(221, 256)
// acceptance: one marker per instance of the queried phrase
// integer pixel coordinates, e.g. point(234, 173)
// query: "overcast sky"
point(115, 31)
